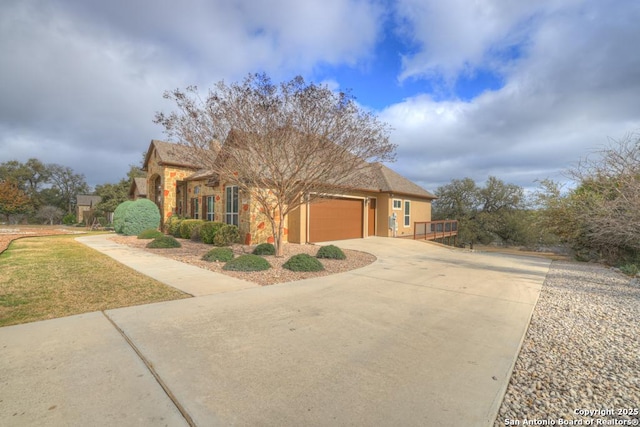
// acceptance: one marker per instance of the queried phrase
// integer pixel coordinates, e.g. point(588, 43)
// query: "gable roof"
point(87, 200)
point(140, 184)
point(171, 154)
point(389, 181)
point(379, 178)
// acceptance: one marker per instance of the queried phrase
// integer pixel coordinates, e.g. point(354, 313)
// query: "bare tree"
point(50, 214)
point(607, 200)
point(283, 145)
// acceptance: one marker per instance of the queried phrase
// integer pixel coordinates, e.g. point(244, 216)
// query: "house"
point(138, 189)
point(85, 203)
point(388, 205)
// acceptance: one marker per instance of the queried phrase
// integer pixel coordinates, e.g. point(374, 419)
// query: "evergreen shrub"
point(164, 242)
point(208, 230)
point(218, 254)
point(119, 215)
point(303, 262)
point(247, 262)
point(330, 252)
point(150, 233)
point(187, 226)
point(139, 216)
point(264, 249)
point(226, 236)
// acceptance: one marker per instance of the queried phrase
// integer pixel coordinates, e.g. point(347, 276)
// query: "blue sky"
point(517, 90)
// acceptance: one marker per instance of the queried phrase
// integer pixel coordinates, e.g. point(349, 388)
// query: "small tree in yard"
point(12, 199)
point(282, 145)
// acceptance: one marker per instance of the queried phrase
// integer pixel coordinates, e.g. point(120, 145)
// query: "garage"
point(335, 219)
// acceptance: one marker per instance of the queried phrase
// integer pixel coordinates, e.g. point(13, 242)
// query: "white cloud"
point(457, 37)
point(90, 75)
point(577, 85)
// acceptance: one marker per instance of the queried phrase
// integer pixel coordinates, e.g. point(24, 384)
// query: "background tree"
point(13, 200)
point(67, 184)
point(50, 214)
point(30, 177)
point(111, 195)
point(298, 140)
point(496, 211)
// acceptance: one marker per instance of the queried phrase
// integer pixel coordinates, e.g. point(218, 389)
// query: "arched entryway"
point(157, 193)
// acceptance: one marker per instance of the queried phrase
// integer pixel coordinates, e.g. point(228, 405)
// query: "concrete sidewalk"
point(187, 278)
point(425, 336)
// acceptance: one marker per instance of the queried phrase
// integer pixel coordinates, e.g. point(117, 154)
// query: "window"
point(195, 208)
point(210, 210)
point(397, 204)
point(407, 213)
point(232, 207)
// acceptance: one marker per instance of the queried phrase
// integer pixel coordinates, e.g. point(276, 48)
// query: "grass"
point(55, 276)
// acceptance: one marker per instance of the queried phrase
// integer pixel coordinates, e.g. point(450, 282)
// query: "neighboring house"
point(138, 189)
point(85, 203)
point(180, 187)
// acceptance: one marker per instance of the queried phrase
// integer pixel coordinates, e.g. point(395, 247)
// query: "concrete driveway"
point(425, 336)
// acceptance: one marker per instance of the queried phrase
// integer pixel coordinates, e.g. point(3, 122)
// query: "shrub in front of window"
point(208, 231)
point(218, 254)
point(187, 226)
point(247, 262)
point(330, 252)
point(264, 249)
point(303, 262)
point(227, 235)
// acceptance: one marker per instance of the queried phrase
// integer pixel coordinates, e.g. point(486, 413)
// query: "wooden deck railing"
point(432, 230)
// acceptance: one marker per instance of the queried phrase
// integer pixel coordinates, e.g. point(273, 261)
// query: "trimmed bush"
point(164, 242)
point(174, 228)
point(208, 231)
point(195, 233)
point(330, 252)
point(226, 236)
point(150, 233)
point(139, 216)
point(187, 226)
point(218, 254)
point(247, 263)
point(119, 215)
point(264, 249)
point(303, 262)
point(171, 223)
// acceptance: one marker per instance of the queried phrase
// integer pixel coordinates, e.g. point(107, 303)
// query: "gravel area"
point(580, 360)
point(192, 252)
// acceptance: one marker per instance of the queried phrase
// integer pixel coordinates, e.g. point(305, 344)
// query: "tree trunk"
point(278, 239)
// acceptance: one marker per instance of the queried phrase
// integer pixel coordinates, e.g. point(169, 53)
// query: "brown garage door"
point(335, 219)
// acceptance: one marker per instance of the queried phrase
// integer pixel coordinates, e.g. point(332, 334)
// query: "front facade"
point(388, 207)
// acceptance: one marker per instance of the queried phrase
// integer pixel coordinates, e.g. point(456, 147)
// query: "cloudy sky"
point(515, 89)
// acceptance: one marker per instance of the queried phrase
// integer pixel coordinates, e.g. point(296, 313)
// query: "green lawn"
point(55, 276)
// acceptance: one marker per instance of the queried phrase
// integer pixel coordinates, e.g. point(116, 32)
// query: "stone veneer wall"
point(169, 177)
point(257, 228)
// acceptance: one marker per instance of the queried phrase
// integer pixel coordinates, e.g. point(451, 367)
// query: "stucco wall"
point(420, 210)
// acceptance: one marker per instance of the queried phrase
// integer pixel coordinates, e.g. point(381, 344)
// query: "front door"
point(371, 218)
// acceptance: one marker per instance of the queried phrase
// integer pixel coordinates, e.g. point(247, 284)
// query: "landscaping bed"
point(191, 253)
